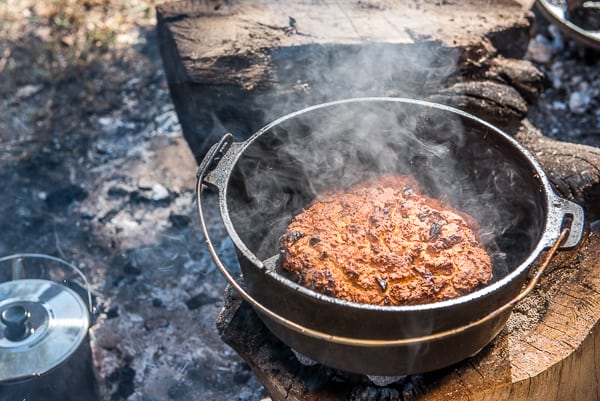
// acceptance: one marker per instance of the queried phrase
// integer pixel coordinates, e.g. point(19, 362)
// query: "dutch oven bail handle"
point(555, 240)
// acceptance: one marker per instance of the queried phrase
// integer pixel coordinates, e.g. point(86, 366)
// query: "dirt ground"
point(95, 170)
point(569, 108)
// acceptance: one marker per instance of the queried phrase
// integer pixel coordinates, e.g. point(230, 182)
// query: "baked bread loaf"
point(383, 242)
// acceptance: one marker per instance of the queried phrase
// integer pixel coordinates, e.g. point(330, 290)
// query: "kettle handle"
point(17, 274)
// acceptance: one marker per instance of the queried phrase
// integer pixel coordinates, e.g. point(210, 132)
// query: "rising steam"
point(335, 147)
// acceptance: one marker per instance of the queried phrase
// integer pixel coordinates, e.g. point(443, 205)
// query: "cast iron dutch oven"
point(265, 180)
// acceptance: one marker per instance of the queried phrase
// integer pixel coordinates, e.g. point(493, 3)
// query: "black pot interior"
point(457, 157)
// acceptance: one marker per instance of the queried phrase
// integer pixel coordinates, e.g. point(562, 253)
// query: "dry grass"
point(43, 41)
point(62, 61)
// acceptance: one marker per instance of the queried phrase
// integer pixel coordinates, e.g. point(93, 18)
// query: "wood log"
point(574, 169)
point(236, 65)
point(548, 350)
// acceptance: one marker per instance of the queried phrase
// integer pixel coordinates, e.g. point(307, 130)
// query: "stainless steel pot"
point(267, 179)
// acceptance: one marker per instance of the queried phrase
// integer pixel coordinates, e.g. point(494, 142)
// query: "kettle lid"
point(42, 323)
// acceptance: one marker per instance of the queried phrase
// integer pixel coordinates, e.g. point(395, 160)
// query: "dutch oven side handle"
point(213, 172)
point(211, 169)
point(564, 213)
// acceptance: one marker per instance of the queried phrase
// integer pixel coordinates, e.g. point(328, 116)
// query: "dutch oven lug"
point(564, 213)
point(210, 170)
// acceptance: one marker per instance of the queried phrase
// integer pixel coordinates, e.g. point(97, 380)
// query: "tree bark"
point(574, 169)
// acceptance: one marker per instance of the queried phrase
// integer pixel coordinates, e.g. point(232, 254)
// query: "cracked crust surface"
point(384, 242)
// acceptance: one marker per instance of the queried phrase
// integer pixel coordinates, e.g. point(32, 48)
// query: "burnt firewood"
point(526, 78)
point(497, 103)
point(574, 169)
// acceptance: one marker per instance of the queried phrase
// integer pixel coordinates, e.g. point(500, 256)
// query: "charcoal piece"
point(62, 198)
point(179, 220)
point(200, 300)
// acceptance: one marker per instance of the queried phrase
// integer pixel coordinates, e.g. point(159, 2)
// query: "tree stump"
point(236, 65)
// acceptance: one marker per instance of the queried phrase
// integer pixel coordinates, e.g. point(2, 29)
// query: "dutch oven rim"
point(554, 205)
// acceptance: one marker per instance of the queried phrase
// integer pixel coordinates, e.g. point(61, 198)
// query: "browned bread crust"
point(384, 242)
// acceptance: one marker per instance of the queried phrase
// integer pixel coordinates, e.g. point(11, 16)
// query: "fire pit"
point(239, 78)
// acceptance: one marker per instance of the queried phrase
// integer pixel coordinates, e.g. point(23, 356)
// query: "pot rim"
point(542, 243)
